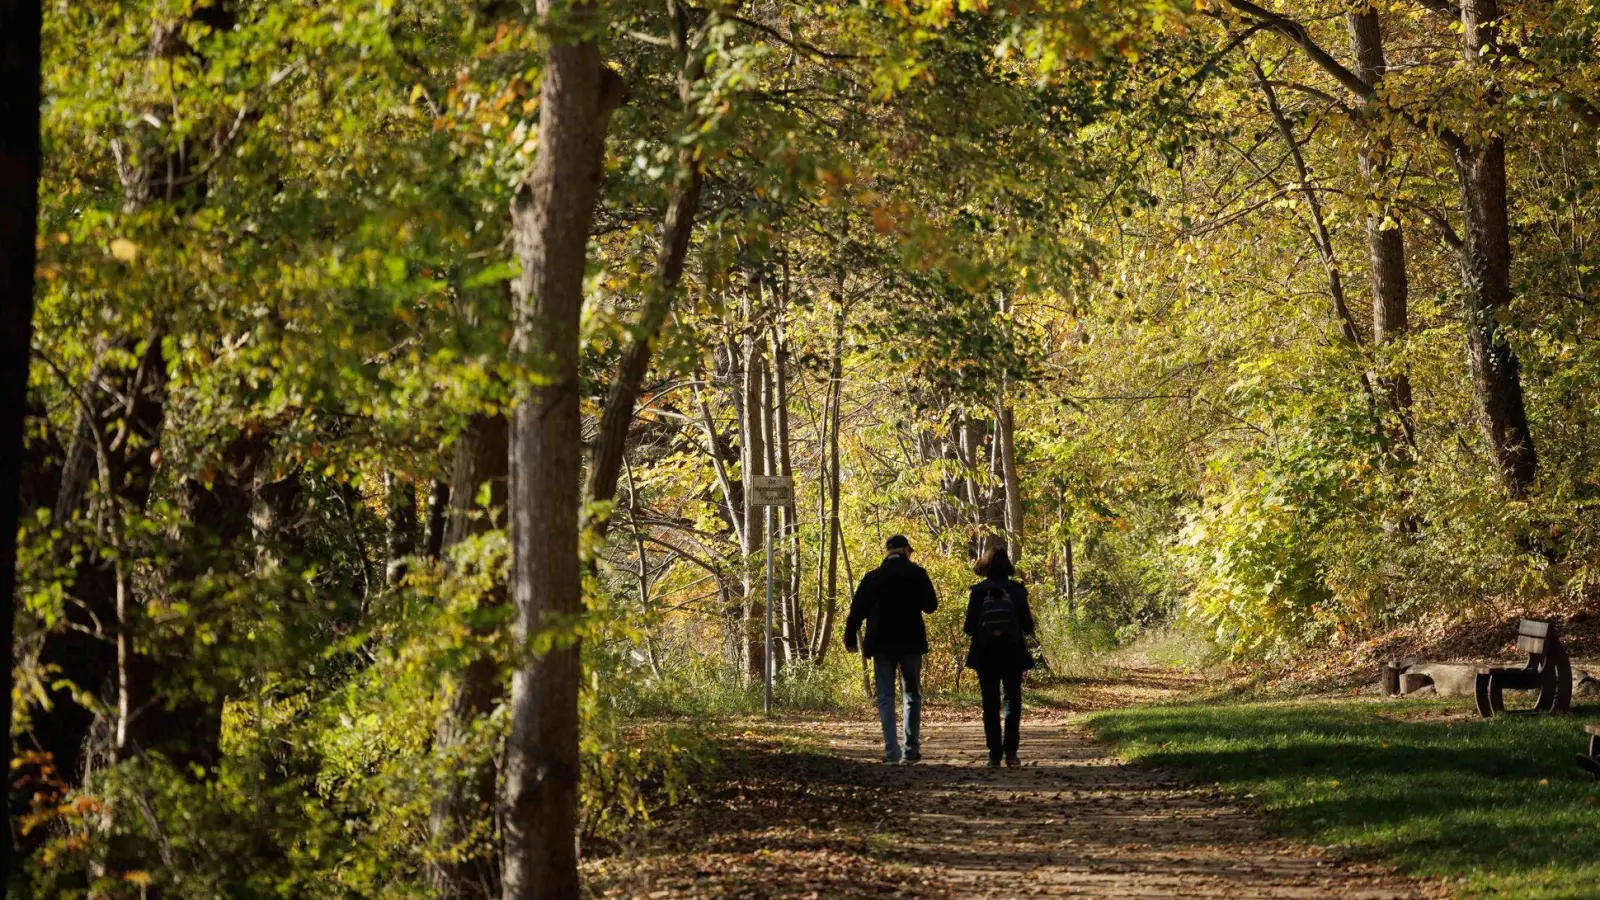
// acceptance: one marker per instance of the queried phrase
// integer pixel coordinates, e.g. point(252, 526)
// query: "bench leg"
point(1547, 692)
point(1563, 702)
point(1594, 745)
point(1480, 691)
point(1497, 696)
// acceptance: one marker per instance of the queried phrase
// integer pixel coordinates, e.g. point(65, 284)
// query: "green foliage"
point(274, 274)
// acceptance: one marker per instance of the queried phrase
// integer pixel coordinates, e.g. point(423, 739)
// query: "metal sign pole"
point(767, 703)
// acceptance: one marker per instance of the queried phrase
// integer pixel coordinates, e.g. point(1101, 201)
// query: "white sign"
point(769, 490)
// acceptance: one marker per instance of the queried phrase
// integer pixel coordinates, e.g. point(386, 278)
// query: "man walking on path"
point(891, 600)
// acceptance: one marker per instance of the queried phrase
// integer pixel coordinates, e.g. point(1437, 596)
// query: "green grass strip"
point(1498, 807)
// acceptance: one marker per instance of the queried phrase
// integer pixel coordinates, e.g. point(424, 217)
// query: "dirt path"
point(811, 812)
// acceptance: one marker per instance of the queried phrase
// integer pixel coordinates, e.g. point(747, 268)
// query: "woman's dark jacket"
point(999, 660)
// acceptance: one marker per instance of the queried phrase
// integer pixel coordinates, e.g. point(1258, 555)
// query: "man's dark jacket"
point(891, 600)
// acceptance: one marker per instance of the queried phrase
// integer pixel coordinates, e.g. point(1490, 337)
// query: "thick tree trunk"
point(972, 433)
point(605, 458)
point(551, 219)
point(19, 211)
point(1386, 245)
point(1480, 164)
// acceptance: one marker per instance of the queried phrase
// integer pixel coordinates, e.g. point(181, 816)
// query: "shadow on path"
point(807, 810)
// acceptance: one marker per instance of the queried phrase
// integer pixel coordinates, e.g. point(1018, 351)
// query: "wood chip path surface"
point(805, 809)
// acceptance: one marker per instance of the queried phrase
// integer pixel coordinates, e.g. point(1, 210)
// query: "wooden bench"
point(1590, 762)
point(1547, 669)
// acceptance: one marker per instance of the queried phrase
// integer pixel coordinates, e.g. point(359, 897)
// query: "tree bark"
point(461, 815)
point(438, 517)
point(1006, 434)
point(401, 533)
point(20, 63)
point(130, 403)
point(794, 617)
point(1386, 245)
point(1319, 227)
point(605, 458)
point(552, 215)
point(1480, 164)
point(836, 388)
point(752, 436)
point(769, 442)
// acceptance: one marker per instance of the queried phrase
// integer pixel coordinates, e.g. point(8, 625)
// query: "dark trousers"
point(990, 684)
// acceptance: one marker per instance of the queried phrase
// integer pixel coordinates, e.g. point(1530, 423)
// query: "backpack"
point(997, 618)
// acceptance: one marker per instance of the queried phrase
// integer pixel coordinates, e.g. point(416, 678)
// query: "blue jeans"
point(910, 670)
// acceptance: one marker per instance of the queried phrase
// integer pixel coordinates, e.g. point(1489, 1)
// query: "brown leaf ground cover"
point(803, 808)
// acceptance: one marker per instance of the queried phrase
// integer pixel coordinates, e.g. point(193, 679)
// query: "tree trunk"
point(1480, 163)
point(401, 533)
point(836, 388)
point(769, 441)
point(794, 618)
point(461, 817)
point(130, 403)
point(731, 492)
point(677, 228)
point(438, 517)
point(20, 64)
point(1071, 576)
point(824, 621)
point(1319, 227)
point(605, 458)
point(551, 218)
point(1386, 245)
point(751, 434)
point(1006, 435)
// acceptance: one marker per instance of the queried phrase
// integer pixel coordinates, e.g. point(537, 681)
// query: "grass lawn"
point(1497, 806)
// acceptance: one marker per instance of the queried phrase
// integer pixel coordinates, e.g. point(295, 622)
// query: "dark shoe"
point(912, 757)
point(994, 762)
point(1011, 760)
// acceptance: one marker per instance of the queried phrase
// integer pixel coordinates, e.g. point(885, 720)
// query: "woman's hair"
point(995, 563)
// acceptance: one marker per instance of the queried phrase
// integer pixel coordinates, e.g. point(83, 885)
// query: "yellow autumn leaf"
point(124, 250)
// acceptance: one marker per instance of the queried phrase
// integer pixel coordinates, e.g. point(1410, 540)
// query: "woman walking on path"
point(999, 623)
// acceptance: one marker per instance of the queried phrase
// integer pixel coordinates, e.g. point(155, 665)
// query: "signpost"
point(769, 491)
